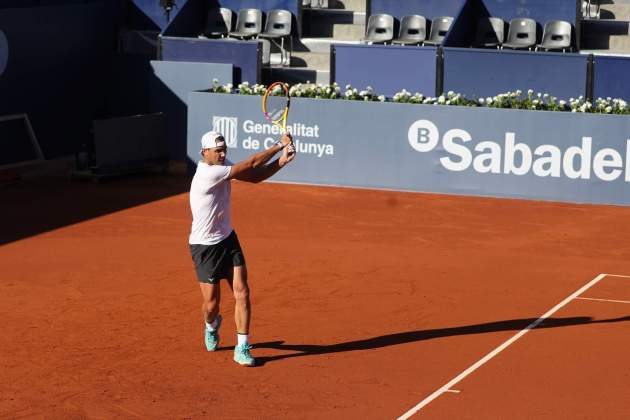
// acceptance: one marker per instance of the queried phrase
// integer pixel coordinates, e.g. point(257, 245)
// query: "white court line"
point(499, 349)
point(454, 391)
point(604, 300)
point(617, 275)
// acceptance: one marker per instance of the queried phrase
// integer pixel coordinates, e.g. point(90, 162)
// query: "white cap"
point(211, 140)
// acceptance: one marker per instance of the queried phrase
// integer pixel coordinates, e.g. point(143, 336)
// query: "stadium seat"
point(380, 29)
point(591, 9)
point(413, 30)
point(521, 35)
point(490, 32)
point(306, 3)
point(219, 22)
point(277, 28)
point(248, 24)
point(320, 4)
point(556, 36)
point(439, 28)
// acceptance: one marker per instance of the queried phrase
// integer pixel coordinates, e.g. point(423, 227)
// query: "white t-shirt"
point(210, 203)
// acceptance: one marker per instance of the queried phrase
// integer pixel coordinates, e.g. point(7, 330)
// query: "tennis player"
point(214, 245)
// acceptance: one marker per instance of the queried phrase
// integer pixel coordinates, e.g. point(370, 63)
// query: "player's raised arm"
point(255, 168)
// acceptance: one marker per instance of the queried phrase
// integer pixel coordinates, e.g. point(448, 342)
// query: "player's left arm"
point(264, 172)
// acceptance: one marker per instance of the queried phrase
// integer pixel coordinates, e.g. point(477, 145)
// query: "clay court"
point(366, 304)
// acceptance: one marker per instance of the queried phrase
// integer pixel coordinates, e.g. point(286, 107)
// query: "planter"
point(556, 156)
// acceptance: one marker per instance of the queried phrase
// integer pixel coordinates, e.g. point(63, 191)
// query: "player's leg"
point(210, 309)
point(242, 315)
point(242, 311)
point(211, 301)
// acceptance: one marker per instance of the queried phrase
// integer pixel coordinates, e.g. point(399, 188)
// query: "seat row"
point(490, 32)
point(249, 25)
point(557, 35)
point(413, 30)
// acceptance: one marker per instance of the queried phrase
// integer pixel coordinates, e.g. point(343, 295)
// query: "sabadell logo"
point(4, 52)
point(511, 157)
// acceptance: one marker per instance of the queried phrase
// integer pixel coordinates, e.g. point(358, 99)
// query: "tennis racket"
point(275, 104)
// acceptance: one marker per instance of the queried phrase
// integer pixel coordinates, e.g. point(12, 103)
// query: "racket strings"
point(275, 107)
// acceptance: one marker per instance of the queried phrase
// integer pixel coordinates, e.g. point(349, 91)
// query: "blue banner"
point(568, 157)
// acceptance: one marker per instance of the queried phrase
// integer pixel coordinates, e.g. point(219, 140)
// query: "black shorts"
point(216, 262)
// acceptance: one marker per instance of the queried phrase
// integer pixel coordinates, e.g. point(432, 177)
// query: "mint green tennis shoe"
point(242, 356)
point(212, 337)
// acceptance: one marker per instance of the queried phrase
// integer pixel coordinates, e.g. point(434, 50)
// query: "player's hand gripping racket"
point(275, 105)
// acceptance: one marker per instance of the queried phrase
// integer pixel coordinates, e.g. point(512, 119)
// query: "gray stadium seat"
point(277, 28)
point(413, 30)
point(219, 22)
point(490, 32)
point(248, 24)
point(439, 28)
point(556, 36)
point(521, 35)
point(380, 29)
point(591, 9)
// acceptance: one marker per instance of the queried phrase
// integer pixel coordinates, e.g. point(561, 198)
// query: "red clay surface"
point(364, 303)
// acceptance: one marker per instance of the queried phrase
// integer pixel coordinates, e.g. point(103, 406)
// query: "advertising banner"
point(556, 156)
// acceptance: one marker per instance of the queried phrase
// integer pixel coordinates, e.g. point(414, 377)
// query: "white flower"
point(530, 92)
point(482, 101)
point(608, 109)
point(442, 100)
point(381, 98)
point(562, 103)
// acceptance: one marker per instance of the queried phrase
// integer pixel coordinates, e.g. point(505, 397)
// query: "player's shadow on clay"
point(300, 350)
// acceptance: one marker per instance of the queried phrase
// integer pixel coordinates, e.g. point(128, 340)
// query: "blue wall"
point(54, 69)
point(292, 6)
point(426, 8)
point(464, 27)
point(539, 10)
point(36, 3)
point(481, 73)
point(243, 55)
point(148, 14)
point(171, 82)
point(386, 68)
point(611, 76)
